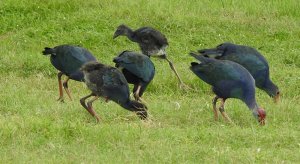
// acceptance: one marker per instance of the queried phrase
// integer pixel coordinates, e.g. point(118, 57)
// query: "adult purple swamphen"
point(138, 69)
point(228, 80)
point(68, 59)
point(249, 58)
point(110, 83)
point(151, 41)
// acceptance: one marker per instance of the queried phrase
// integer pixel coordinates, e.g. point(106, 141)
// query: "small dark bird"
point(138, 69)
point(249, 58)
point(228, 80)
point(151, 42)
point(68, 60)
point(110, 83)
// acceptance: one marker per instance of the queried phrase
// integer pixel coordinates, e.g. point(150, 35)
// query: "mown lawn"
point(35, 128)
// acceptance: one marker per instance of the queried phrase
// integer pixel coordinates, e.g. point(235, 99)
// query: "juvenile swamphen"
point(249, 58)
point(138, 69)
point(151, 41)
point(228, 80)
point(68, 59)
point(110, 83)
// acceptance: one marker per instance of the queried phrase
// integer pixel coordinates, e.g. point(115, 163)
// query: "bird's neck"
point(130, 34)
point(127, 105)
point(270, 87)
point(253, 106)
point(251, 102)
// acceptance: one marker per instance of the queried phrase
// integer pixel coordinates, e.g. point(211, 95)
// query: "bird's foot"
point(136, 96)
point(184, 87)
point(142, 100)
point(61, 99)
point(224, 114)
point(97, 118)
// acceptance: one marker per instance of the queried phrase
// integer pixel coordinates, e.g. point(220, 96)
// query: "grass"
point(35, 128)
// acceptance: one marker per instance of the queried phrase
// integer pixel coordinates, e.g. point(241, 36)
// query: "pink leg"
point(61, 95)
point(65, 84)
point(224, 114)
point(215, 107)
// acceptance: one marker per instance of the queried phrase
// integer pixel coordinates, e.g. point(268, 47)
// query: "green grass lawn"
point(35, 128)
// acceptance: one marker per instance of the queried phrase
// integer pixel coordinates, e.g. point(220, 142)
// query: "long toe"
point(61, 99)
point(97, 118)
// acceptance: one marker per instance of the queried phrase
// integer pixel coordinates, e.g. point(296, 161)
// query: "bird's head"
point(121, 30)
point(140, 109)
point(277, 97)
point(272, 90)
point(260, 114)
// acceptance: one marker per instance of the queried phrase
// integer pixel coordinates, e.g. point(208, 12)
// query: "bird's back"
point(228, 79)
point(138, 64)
point(249, 58)
point(107, 82)
point(150, 40)
point(68, 59)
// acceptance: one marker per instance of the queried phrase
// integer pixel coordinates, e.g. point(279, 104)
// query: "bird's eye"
point(277, 93)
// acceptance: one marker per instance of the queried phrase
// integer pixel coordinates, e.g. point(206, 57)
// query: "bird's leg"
point(61, 95)
point(136, 94)
point(224, 114)
point(106, 99)
point(82, 100)
point(65, 84)
point(181, 85)
point(90, 108)
point(215, 107)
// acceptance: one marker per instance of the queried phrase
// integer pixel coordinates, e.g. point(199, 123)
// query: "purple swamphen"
point(108, 82)
point(249, 58)
point(228, 80)
point(68, 59)
point(151, 41)
point(137, 68)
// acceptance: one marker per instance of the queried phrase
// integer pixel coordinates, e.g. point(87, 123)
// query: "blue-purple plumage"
point(249, 58)
point(137, 68)
point(68, 60)
point(228, 80)
point(151, 42)
point(110, 83)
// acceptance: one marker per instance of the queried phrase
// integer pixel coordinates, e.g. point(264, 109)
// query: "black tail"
point(48, 51)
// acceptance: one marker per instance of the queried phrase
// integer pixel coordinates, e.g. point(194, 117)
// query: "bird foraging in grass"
point(138, 69)
point(249, 58)
point(151, 41)
point(110, 83)
point(228, 80)
point(68, 59)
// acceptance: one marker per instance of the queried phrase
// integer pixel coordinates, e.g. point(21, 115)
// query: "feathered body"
point(151, 42)
point(110, 83)
point(137, 68)
point(68, 59)
point(249, 58)
point(228, 80)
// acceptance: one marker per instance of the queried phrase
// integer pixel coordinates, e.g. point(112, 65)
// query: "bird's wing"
point(149, 35)
point(69, 59)
point(138, 64)
point(113, 78)
point(212, 70)
point(82, 54)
